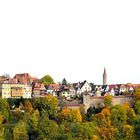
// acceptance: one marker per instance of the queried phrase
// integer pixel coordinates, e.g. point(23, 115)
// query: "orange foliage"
point(106, 111)
point(126, 106)
point(103, 118)
point(107, 133)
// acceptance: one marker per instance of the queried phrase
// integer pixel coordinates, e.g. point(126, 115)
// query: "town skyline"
point(103, 80)
point(71, 39)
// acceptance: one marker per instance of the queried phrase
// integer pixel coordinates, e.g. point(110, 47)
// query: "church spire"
point(104, 77)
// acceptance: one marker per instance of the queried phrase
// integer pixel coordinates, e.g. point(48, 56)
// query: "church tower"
point(104, 77)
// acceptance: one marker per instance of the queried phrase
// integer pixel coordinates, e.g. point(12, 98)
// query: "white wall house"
point(86, 87)
point(122, 89)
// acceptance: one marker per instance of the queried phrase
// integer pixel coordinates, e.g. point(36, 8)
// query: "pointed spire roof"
point(104, 71)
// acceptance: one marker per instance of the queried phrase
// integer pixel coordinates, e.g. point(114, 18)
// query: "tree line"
point(42, 119)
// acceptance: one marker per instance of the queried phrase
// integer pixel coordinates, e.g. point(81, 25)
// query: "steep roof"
point(24, 78)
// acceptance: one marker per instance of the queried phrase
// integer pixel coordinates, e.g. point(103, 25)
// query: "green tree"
point(137, 106)
point(5, 113)
point(47, 79)
point(118, 115)
point(4, 109)
point(136, 124)
point(20, 131)
point(108, 101)
point(32, 121)
point(64, 82)
point(48, 128)
point(48, 104)
point(4, 104)
point(82, 131)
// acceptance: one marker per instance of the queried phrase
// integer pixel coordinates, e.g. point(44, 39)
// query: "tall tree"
point(64, 82)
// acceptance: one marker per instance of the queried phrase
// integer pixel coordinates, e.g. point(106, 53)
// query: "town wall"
point(95, 101)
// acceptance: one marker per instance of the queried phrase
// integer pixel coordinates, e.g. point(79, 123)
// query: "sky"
point(72, 39)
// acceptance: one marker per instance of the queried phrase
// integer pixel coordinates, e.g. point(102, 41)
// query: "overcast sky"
point(74, 39)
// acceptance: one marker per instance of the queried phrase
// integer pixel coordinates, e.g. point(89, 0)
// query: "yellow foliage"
point(71, 115)
point(76, 115)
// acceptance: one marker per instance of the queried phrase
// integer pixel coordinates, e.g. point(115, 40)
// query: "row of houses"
point(25, 86)
point(77, 89)
point(21, 85)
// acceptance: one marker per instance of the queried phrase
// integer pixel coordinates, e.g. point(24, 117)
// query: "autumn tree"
point(130, 113)
point(107, 133)
point(103, 118)
point(70, 115)
point(108, 100)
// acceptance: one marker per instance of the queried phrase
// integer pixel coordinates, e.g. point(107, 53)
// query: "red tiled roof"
point(24, 78)
point(54, 86)
point(111, 87)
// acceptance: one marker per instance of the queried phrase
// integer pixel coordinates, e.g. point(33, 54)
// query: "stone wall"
point(95, 101)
